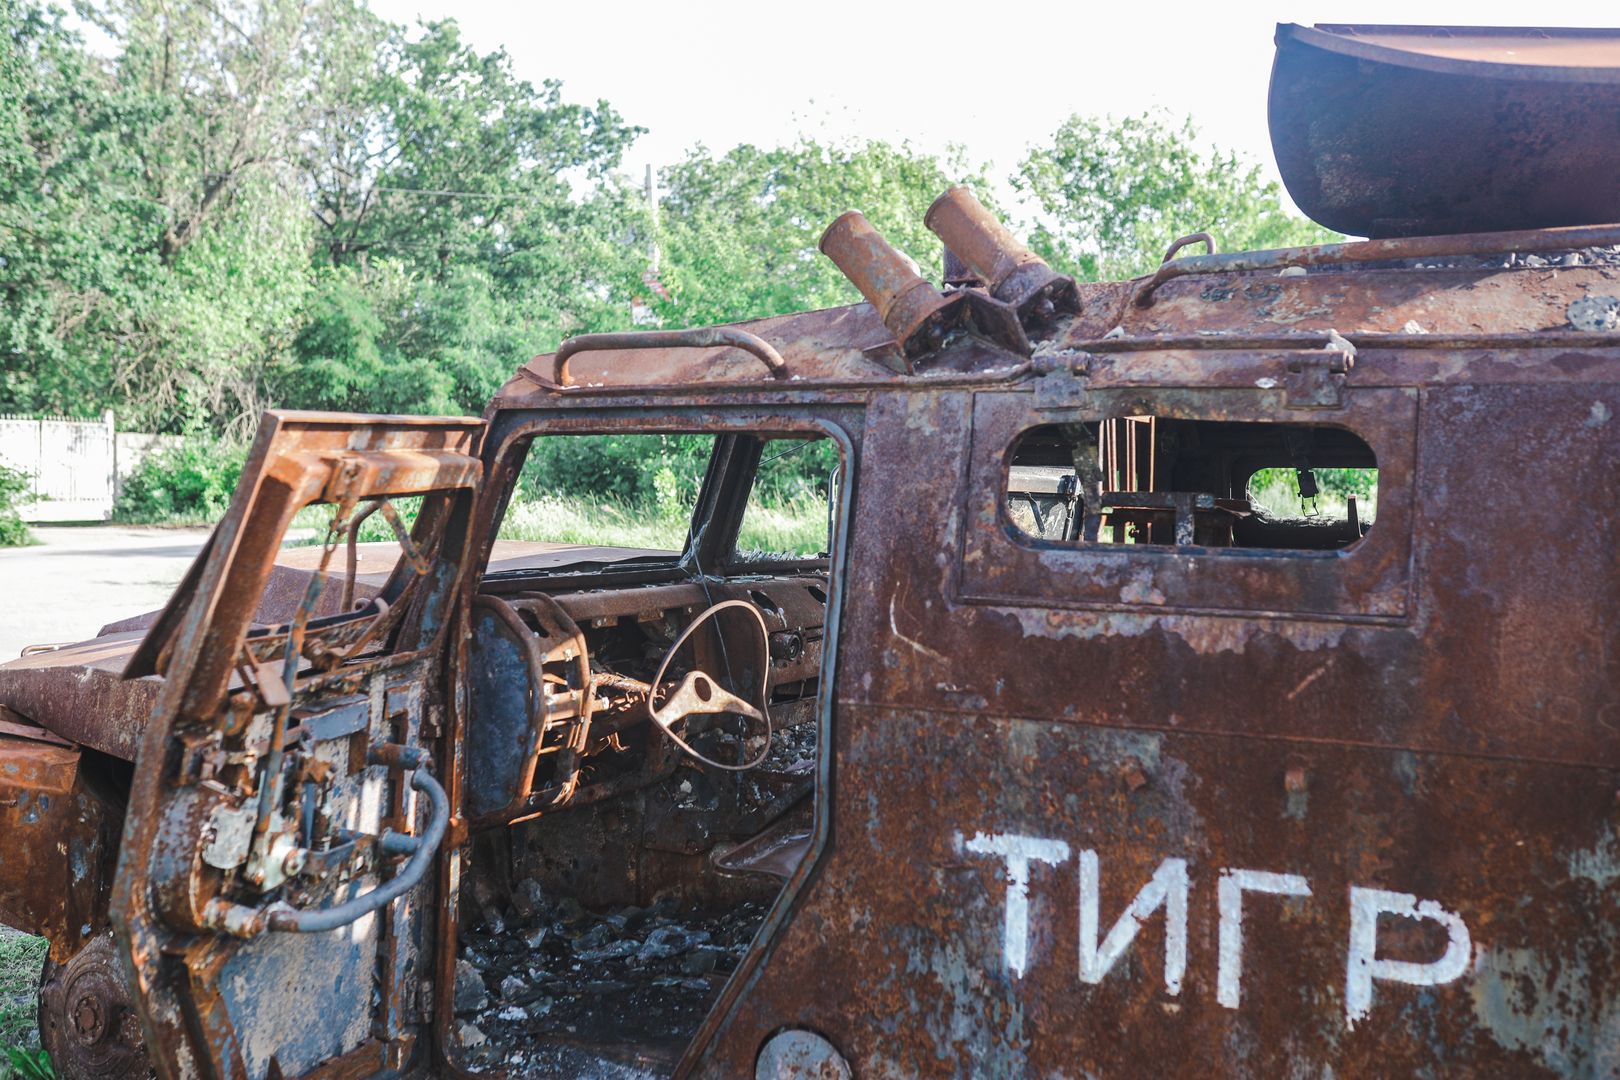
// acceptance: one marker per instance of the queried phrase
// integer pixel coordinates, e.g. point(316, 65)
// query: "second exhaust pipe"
point(921, 318)
point(1010, 271)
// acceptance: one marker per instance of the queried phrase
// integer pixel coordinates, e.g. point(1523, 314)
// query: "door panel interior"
point(276, 873)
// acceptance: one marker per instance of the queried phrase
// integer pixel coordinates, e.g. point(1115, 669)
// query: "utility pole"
point(650, 188)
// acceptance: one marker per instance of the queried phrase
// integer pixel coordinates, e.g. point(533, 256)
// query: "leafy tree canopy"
point(1112, 196)
point(233, 204)
point(739, 231)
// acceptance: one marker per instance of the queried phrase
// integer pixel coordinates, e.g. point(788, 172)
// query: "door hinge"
point(1061, 378)
point(1316, 380)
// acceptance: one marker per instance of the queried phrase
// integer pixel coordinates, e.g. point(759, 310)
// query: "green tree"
point(221, 315)
point(468, 219)
point(739, 231)
point(156, 239)
point(74, 258)
point(1113, 194)
point(226, 90)
point(432, 153)
point(260, 202)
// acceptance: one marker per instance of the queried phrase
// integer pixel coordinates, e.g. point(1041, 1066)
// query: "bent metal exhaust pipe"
point(1010, 271)
point(922, 319)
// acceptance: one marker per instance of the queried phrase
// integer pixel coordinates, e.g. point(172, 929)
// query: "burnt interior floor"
point(565, 987)
point(606, 941)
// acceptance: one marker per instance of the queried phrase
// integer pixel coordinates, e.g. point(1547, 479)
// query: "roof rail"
point(705, 337)
point(1409, 247)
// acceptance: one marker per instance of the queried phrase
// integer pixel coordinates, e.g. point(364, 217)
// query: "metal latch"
point(1315, 380)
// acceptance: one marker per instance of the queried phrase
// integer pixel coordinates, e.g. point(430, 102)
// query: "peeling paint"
point(1600, 863)
point(1545, 1008)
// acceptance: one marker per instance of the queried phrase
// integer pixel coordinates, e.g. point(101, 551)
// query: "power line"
point(447, 193)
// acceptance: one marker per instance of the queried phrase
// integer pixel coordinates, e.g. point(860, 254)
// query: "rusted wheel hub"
point(86, 1020)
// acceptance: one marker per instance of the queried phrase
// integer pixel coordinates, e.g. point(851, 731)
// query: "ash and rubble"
point(547, 986)
point(790, 762)
point(545, 977)
point(792, 756)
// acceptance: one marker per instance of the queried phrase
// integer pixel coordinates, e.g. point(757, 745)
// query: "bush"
point(627, 468)
point(21, 957)
point(187, 484)
point(15, 489)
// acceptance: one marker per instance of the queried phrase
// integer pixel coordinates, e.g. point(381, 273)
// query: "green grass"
point(794, 525)
point(581, 519)
point(1276, 491)
point(21, 957)
point(29, 1064)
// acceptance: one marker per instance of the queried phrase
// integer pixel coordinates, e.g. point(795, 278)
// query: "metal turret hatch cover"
point(1386, 131)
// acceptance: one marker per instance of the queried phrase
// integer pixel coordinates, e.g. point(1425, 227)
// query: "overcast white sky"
point(993, 78)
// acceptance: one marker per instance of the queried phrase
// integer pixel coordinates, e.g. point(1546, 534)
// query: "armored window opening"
point(1194, 484)
point(641, 739)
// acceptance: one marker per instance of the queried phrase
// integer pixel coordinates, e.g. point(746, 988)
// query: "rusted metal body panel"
point(911, 980)
point(79, 692)
point(1429, 717)
point(1443, 317)
point(1461, 752)
point(1365, 734)
point(1413, 130)
point(1536, 247)
point(46, 801)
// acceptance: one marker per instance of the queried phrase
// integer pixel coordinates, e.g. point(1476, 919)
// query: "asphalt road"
point(79, 578)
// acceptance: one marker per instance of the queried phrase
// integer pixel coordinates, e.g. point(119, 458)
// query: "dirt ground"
point(79, 578)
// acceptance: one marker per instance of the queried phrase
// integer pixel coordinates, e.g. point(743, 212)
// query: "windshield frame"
point(711, 536)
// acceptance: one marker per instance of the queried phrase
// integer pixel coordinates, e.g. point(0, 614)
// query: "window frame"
point(844, 425)
point(732, 563)
point(1063, 483)
point(710, 547)
point(1370, 580)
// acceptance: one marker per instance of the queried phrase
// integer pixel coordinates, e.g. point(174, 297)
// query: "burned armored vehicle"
point(1057, 755)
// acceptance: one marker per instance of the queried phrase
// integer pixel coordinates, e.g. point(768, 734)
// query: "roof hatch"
point(1384, 131)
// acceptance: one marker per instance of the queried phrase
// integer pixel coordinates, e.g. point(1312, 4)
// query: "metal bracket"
point(1316, 380)
point(1061, 378)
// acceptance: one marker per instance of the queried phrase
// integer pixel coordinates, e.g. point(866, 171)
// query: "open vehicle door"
point(275, 885)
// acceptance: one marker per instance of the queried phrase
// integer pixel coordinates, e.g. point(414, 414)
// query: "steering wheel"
point(699, 693)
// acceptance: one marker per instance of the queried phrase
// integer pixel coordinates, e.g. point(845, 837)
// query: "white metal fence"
point(77, 466)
